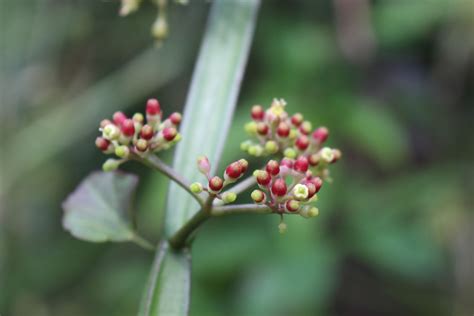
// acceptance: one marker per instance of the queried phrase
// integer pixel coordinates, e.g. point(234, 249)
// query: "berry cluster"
point(278, 133)
point(288, 187)
point(124, 136)
point(216, 184)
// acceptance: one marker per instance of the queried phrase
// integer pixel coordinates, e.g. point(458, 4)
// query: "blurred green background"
point(392, 79)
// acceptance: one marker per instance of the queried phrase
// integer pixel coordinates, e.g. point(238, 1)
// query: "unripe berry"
point(138, 117)
point(215, 184)
point(175, 118)
point(282, 228)
point(287, 162)
point(297, 119)
point(313, 159)
point(279, 187)
point(196, 187)
point(203, 165)
point(262, 128)
point(292, 206)
point(244, 164)
point(290, 153)
point(233, 171)
point(102, 143)
point(146, 132)
point(256, 150)
point(309, 211)
point(305, 127)
point(283, 130)
point(257, 113)
point(141, 145)
point(258, 196)
point(245, 145)
point(251, 128)
point(273, 168)
point(122, 151)
point(111, 165)
point(321, 134)
point(153, 107)
point(263, 177)
point(128, 127)
point(169, 133)
point(229, 197)
point(301, 164)
point(271, 147)
point(302, 142)
point(118, 118)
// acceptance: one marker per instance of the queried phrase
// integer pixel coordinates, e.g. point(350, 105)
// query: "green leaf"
point(207, 117)
point(97, 210)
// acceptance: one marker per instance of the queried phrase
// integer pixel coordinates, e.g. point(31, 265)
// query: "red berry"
point(273, 167)
point(287, 162)
point(153, 107)
point(313, 159)
point(128, 127)
point(279, 187)
point(297, 119)
point(292, 205)
point(263, 178)
point(175, 118)
point(311, 189)
point(102, 143)
point(216, 184)
point(318, 183)
point(234, 170)
point(118, 118)
point(283, 130)
point(169, 133)
point(321, 134)
point(301, 164)
point(146, 132)
point(257, 113)
point(302, 142)
point(244, 164)
point(262, 128)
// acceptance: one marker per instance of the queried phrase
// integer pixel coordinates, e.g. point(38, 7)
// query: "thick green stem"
point(240, 209)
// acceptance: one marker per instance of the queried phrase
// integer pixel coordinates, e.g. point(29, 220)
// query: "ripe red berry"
point(262, 128)
point(257, 113)
point(287, 162)
point(169, 133)
point(321, 134)
point(102, 143)
point(234, 170)
point(318, 183)
point(292, 205)
point(128, 127)
point(153, 107)
point(263, 177)
point(279, 187)
point(297, 119)
point(118, 118)
point(273, 167)
point(175, 118)
point(146, 132)
point(311, 189)
point(216, 184)
point(301, 164)
point(302, 142)
point(283, 130)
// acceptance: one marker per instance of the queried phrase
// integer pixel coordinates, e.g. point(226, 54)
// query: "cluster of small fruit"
point(124, 136)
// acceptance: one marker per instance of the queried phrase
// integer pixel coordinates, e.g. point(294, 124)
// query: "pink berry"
point(153, 107)
point(118, 118)
point(128, 127)
point(318, 183)
point(301, 164)
point(169, 133)
point(273, 167)
point(257, 113)
point(302, 142)
point(311, 189)
point(279, 187)
point(287, 162)
point(102, 143)
point(321, 134)
point(175, 118)
point(104, 123)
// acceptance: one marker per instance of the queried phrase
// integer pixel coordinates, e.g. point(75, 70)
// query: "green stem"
point(142, 242)
point(156, 163)
point(240, 209)
point(239, 188)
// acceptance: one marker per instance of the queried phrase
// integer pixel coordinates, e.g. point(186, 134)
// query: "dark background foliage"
point(392, 79)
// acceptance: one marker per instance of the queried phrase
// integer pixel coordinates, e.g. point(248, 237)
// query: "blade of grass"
point(207, 116)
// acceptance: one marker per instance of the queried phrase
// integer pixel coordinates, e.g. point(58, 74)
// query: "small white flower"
point(300, 191)
point(327, 154)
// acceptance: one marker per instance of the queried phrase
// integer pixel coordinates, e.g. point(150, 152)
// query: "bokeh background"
point(392, 79)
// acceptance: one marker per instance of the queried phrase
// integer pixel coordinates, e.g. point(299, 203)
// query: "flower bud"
point(308, 211)
point(146, 132)
point(263, 177)
point(233, 171)
point(128, 127)
point(229, 197)
point(258, 196)
point(104, 123)
point(283, 130)
point(141, 145)
point(129, 6)
point(262, 128)
point(273, 168)
point(245, 145)
point(102, 143)
point(169, 133)
point(337, 155)
point(279, 187)
point(118, 118)
point(301, 164)
point(293, 134)
point(159, 29)
point(196, 187)
point(287, 162)
point(153, 107)
point(256, 150)
point(290, 153)
point(138, 117)
point(257, 113)
point(203, 165)
point(302, 142)
point(244, 164)
point(300, 191)
point(215, 184)
point(282, 228)
point(313, 159)
point(111, 164)
point(122, 151)
point(321, 134)
point(305, 127)
point(297, 119)
point(271, 147)
point(111, 132)
point(327, 154)
point(251, 128)
point(175, 118)
point(292, 206)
